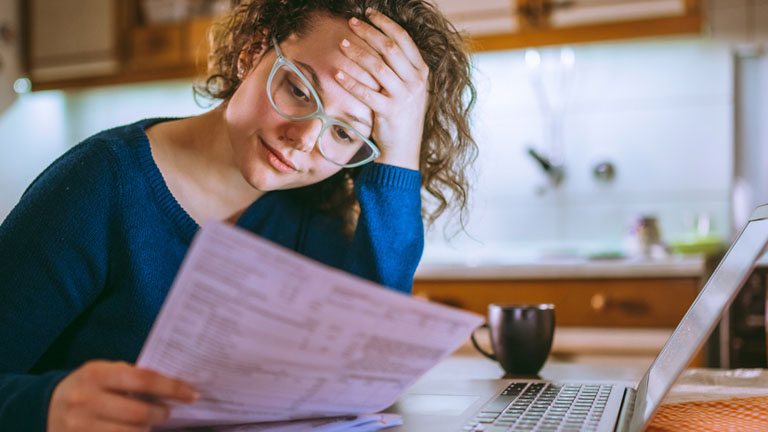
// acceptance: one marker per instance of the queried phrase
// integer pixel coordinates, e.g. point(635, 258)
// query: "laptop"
point(537, 405)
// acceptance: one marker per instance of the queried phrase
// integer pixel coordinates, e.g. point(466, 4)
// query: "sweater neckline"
point(182, 221)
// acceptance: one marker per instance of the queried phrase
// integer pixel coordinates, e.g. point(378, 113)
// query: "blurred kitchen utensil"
point(644, 238)
point(604, 171)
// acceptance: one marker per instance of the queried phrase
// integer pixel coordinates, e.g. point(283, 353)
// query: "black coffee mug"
point(521, 336)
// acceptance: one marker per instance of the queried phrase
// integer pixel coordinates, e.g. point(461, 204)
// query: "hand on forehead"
point(323, 42)
point(355, 69)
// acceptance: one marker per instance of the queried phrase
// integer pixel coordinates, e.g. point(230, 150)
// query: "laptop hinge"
point(626, 410)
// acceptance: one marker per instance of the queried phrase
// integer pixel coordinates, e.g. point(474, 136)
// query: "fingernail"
point(340, 75)
point(345, 43)
point(354, 21)
point(191, 392)
point(369, 11)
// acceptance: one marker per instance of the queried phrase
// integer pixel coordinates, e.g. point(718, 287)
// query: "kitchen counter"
point(455, 268)
point(587, 292)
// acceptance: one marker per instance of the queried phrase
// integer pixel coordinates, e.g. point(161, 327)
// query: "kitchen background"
point(670, 127)
point(578, 143)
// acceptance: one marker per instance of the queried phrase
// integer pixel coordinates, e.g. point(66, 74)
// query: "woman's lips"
point(277, 160)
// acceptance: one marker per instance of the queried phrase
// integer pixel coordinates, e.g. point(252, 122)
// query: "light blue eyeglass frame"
point(320, 113)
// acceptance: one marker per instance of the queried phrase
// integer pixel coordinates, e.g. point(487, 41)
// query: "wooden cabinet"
point(740, 23)
point(69, 39)
point(83, 43)
point(481, 17)
point(640, 302)
point(176, 45)
point(497, 25)
point(157, 47)
point(10, 53)
point(113, 46)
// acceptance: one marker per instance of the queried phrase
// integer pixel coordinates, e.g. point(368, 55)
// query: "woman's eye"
point(343, 135)
point(298, 93)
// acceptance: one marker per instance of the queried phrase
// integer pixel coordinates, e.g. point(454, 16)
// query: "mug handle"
point(477, 346)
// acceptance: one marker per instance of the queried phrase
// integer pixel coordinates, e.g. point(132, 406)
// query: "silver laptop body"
point(622, 408)
point(700, 320)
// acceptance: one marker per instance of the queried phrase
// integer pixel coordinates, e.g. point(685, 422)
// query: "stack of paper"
point(266, 335)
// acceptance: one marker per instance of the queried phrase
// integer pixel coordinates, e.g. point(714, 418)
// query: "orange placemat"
point(742, 415)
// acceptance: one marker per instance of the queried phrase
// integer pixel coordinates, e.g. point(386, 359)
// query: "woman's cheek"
point(248, 103)
point(328, 170)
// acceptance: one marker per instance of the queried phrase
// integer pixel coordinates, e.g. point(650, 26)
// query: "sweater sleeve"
point(389, 238)
point(52, 266)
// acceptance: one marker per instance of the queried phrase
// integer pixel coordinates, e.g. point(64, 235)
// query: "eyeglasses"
point(294, 98)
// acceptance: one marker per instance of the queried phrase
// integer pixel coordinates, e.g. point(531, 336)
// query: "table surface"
point(466, 365)
point(467, 374)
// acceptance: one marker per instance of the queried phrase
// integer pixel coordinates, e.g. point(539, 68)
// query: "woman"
point(334, 115)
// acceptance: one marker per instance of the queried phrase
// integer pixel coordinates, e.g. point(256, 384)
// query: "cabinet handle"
point(600, 303)
point(157, 42)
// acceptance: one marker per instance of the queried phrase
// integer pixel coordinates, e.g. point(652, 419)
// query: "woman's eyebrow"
point(312, 75)
point(319, 87)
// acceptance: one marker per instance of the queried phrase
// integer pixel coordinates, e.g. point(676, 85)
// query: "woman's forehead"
point(321, 42)
point(318, 55)
point(320, 45)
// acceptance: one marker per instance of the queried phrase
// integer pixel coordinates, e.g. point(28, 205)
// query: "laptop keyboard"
point(543, 407)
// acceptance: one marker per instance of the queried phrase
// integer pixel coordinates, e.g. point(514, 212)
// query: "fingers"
point(395, 63)
point(399, 35)
point(389, 52)
point(106, 426)
point(375, 100)
point(127, 378)
point(122, 409)
point(351, 68)
point(385, 51)
point(373, 64)
point(393, 42)
point(116, 396)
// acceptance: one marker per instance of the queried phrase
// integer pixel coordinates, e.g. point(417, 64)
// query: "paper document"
point(266, 334)
point(363, 423)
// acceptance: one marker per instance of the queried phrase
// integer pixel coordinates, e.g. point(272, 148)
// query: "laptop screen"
point(701, 318)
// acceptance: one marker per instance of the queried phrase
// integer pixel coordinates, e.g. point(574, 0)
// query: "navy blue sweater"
point(89, 253)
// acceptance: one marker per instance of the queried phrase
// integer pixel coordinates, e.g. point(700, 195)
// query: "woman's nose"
point(304, 134)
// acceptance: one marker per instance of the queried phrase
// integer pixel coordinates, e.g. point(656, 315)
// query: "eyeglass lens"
point(340, 143)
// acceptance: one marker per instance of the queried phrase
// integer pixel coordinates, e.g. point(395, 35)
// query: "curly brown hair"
point(447, 148)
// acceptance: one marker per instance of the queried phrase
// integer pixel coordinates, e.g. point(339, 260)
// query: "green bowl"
point(707, 245)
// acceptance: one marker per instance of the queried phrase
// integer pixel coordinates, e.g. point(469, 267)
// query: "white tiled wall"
point(660, 111)
point(97, 109)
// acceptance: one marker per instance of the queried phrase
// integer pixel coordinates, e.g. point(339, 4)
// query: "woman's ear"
point(242, 59)
point(250, 56)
